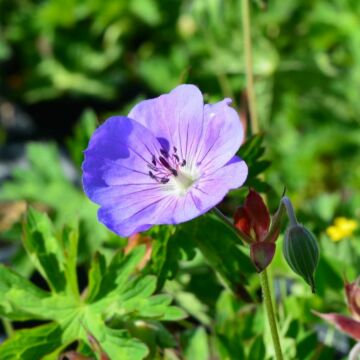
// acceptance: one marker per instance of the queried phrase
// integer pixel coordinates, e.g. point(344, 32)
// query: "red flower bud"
point(242, 220)
point(253, 216)
point(261, 254)
point(253, 219)
point(258, 214)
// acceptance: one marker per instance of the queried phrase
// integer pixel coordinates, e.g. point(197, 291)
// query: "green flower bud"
point(301, 252)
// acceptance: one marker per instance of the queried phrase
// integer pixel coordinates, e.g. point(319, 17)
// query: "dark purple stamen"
point(164, 163)
point(153, 160)
point(164, 153)
point(152, 167)
point(165, 166)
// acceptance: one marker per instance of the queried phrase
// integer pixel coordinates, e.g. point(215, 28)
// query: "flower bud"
point(261, 254)
point(301, 252)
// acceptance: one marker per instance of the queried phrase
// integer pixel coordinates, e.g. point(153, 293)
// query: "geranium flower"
point(170, 160)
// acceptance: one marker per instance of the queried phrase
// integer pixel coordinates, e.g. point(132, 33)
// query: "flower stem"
point(9, 331)
point(290, 210)
point(270, 313)
point(249, 68)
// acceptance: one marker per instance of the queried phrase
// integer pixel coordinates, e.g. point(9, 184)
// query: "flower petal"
point(210, 190)
point(135, 215)
point(119, 152)
point(116, 176)
point(222, 136)
point(176, 119)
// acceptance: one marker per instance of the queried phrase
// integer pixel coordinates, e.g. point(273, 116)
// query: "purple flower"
point(171, 160)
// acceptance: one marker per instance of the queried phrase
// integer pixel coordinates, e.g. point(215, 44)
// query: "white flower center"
point(184, 180)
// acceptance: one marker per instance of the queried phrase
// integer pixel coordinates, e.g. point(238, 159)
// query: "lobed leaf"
point(32, 343)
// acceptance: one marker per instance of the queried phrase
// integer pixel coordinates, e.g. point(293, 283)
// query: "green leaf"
point(251, 152)
point(19, 298)
point(118, 344)
point(44, 249)
point(217, 242)
point(32, 343)
point(82, 133)
point(197, 347)
point(306, 345)
point(48, 185)
point(117, 274)
point(115, 292)
point(96, 273)
point(257, 349)
point(70, 238)
point(168, 249)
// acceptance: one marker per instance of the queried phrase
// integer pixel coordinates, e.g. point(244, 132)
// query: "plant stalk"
point(8, 328)
point(249, 66)
point(270, 313)
point(290, 210)
point(255, 129)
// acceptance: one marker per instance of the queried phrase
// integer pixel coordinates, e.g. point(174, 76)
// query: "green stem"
point(290, 210)
point(9, 331)
point(270, 313)
point(249, 68)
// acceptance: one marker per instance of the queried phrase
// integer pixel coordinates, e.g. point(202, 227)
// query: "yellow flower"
point(341, 229)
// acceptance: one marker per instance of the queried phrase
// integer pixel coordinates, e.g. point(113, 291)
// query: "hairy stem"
point(249, 66)
point(270, 313)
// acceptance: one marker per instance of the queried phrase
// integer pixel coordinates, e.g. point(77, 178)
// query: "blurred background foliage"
point(65, 65)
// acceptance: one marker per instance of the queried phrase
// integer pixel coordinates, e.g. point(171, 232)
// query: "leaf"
point(257, 349)
point(117, 273)
point(217, 242)
point(306, 345)
point(96, 273)
point(32, 343)
point(70, 237)
point(48, 185)
point(19, 298)
point(44, 249)
point(115, 292)
point(251, 152)
point(197, 347)
point(82, 133)
point(252, 148)
point(168, 249)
